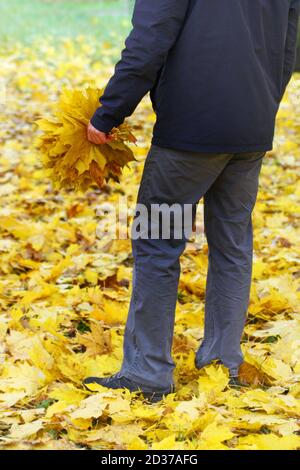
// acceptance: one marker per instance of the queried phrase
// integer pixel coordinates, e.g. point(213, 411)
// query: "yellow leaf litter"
point(64, 293)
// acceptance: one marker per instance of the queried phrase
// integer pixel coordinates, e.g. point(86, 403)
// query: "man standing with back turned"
point(216, 71)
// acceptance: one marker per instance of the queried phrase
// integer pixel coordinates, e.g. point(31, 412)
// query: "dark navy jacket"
point(216, 70)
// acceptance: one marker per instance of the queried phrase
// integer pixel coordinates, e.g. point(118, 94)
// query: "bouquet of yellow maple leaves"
point(71, 160)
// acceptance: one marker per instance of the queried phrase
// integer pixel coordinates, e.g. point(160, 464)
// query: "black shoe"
point(234, 382)
point(118, 382)
point(200, 365)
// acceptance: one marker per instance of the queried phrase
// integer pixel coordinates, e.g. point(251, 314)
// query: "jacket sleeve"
point(156, 26)
point(291, 43)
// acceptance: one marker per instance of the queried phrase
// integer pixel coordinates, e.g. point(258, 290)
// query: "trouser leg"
point(170, 177)
point(228, 206)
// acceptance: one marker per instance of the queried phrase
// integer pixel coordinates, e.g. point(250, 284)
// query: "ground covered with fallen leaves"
point(64, 292)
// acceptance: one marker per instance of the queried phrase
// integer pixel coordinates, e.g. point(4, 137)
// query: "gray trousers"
point(229, 184)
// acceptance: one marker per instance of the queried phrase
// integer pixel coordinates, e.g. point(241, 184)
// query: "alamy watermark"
point(121, 220)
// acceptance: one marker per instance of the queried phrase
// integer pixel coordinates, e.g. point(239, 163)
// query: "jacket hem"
point(211, 148)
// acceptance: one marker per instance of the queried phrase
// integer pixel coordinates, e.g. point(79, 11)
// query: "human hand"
point(97, 137)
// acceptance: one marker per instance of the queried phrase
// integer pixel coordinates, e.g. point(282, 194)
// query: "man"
point(217, 71)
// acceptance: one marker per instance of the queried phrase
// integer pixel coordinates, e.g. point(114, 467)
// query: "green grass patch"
point(25, 20)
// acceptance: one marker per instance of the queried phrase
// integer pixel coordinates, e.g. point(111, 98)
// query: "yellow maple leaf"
point(214, 380)
point(269, 442)
point(214, 435)
point(97, 342)
point(91, 407)
point(169, 443)
point(24, 431)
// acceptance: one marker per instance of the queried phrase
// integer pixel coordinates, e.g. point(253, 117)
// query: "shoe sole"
point(152, 397)
point(238, 385)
